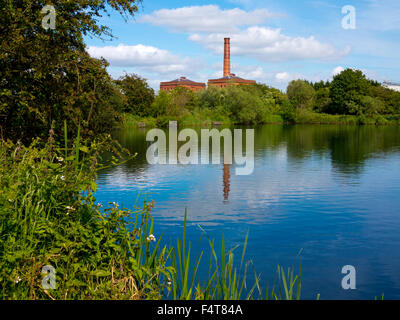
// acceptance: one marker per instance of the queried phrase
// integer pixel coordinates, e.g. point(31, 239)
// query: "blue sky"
point(272, 42)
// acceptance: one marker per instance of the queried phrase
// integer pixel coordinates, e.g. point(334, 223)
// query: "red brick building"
point(182, 82)
point(229, 78)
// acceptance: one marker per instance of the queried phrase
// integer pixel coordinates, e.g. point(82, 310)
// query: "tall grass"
point(225, 281)
point(49, 216)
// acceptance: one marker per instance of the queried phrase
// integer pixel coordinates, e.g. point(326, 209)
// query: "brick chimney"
point(227, 57)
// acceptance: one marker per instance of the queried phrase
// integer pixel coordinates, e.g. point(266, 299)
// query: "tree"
point(242, 106)
point(390, 98)
point(371, 106)
point(347, 90)
point(301, 94)
point(182, 100)
point(46, 75)
point(160, 105)
point(320, 85)
point(211, 98)
point(322, 100)
point(138, 94)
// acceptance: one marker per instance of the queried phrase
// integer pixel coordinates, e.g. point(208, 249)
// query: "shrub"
point(49, 217)
point(139, 96)
point(322, 100)
point(301, 94)
point(244, 108)
point(372, 106)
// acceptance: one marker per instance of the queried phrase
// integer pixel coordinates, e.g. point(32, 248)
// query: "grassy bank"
point(49, 217)
point(132, 121)
point(199, 119)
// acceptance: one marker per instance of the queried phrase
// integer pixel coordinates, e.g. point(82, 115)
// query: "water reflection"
point(292, 163)
point(226, 181)
point(347, 146)
point(329, 190)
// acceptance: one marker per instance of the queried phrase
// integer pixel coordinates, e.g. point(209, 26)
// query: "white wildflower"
point(69, 209)
point(61, 159)
point(62, 178)
point(151, 238)
point(18, 279)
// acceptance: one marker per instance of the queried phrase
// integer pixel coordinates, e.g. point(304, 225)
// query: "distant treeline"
point(349, 98)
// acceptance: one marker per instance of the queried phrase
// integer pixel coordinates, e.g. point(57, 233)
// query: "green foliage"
point(347, 91)
point(371, 106)
point(322, 100)
point(390, 98)
point(242, 106)
point(301, 94)
point(304, 102)
point(320, 85)
point(237, 104)
point(181, 101)
point(160, 104)
point(49, 217)
point(139, 96)
point(211, 98)
point(47, 75)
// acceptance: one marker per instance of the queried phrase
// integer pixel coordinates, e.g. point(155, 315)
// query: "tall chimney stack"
point(227, 57)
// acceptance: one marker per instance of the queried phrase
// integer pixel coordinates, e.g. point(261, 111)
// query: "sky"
point(272, 42)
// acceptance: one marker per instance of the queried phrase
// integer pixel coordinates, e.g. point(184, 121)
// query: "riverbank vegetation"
point(350, 99)
point(49, 217)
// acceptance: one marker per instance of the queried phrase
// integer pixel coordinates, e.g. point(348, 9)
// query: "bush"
point(242, 106)
point(49, 217)
point(322, 100)
point(301, 94)
point(380, 120)
point(139, 96)
point(372, 106)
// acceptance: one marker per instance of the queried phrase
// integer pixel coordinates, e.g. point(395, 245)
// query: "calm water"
point(331, 191)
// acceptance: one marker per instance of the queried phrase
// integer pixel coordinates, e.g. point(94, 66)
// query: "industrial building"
point(227, 79)
point(182, 82)
point(392, 86)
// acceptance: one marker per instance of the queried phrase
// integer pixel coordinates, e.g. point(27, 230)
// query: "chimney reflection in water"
point(227, 183)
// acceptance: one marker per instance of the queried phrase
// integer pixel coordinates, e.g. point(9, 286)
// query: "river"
point(331, 193)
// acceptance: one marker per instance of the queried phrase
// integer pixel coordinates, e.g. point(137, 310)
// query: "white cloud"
point(337, 70)
point(209, 18)
point(284, 78)
point(268, 44)
point(147, 59)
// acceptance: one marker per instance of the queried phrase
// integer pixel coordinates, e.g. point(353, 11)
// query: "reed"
point(49, 216)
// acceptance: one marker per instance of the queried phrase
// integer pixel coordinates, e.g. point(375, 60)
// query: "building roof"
point(388, 83)
point(183, 81)
point(231, 77)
